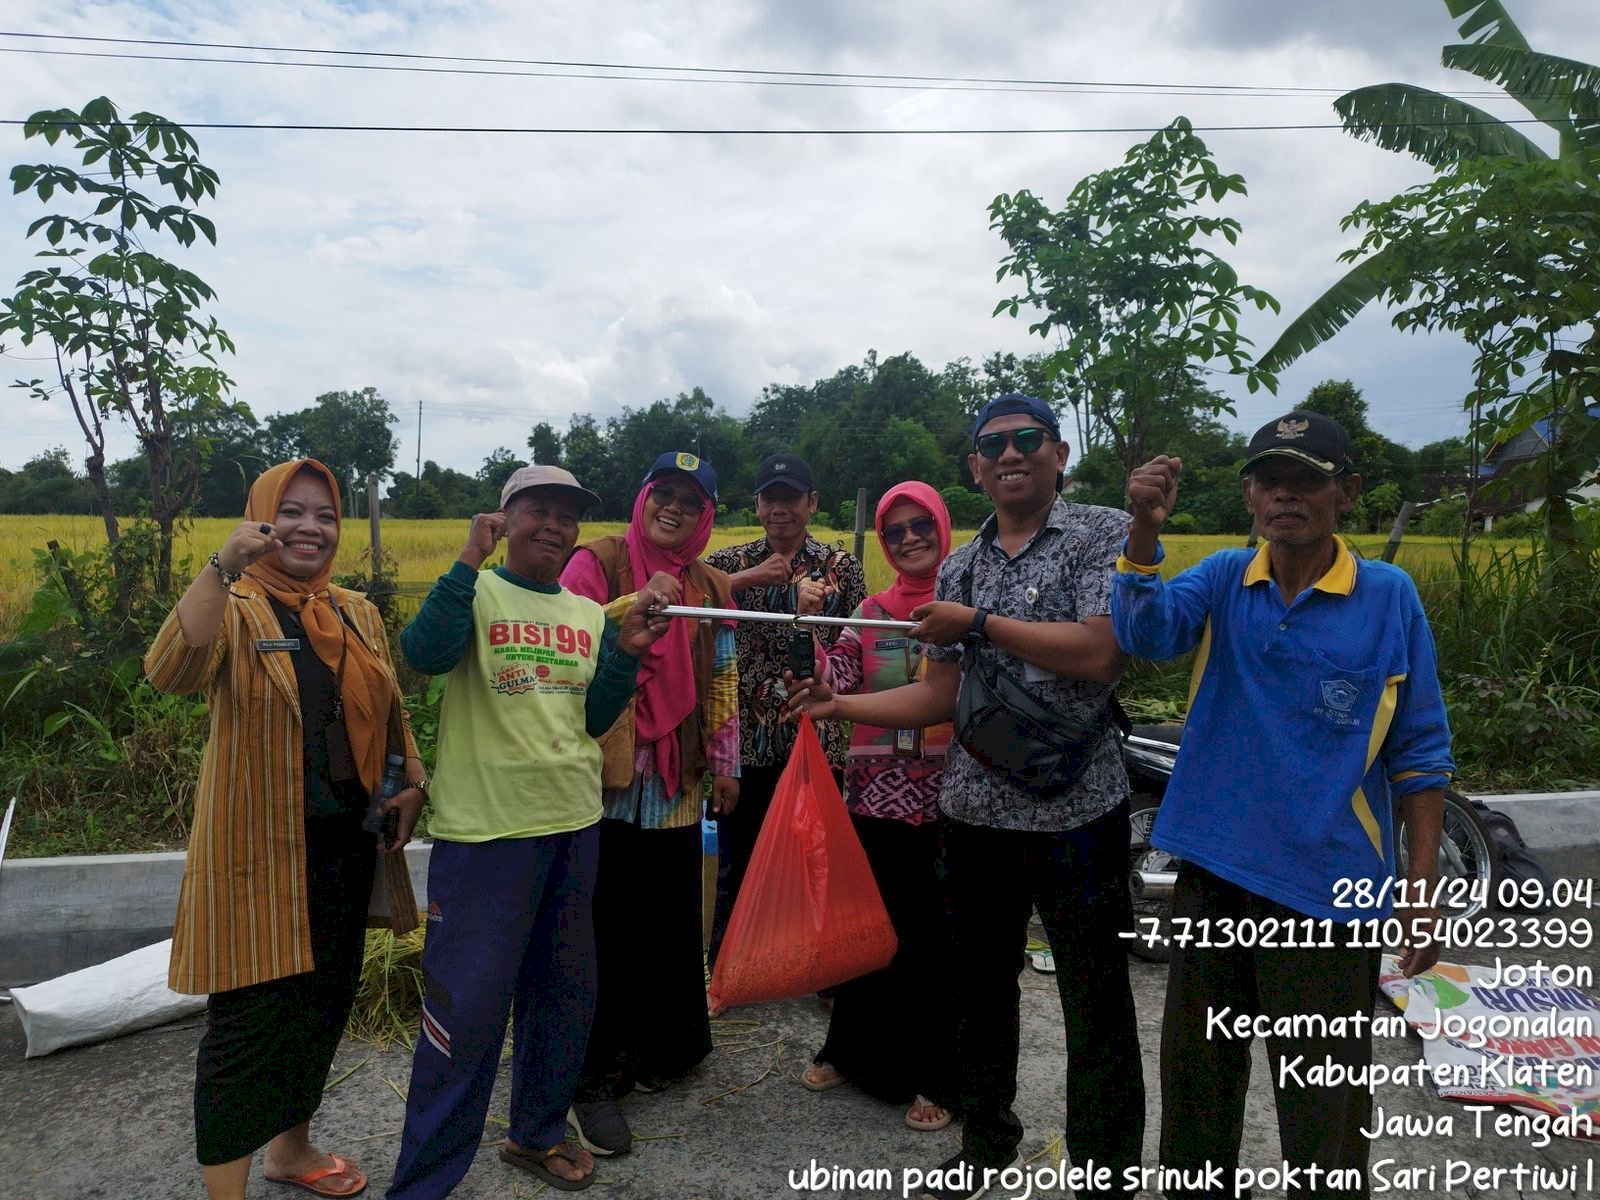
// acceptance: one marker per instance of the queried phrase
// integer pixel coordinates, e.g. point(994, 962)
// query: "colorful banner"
point(1507, 1034)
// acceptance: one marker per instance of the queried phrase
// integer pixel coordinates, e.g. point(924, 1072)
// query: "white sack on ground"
point(102, 1001)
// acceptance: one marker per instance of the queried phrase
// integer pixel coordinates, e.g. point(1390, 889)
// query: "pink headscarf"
point(908, 591)
point(666, 673)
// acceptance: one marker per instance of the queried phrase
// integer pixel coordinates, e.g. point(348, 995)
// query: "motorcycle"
point(1466, 850)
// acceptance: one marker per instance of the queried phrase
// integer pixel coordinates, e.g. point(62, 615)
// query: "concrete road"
point(113, 1120)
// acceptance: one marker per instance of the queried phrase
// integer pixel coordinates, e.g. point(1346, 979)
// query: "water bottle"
point(394, 782)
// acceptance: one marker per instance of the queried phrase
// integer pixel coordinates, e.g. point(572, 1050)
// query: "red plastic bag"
point(809, 914)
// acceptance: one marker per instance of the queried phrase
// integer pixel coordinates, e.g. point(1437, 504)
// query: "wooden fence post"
point(861, 522)
point(375, 518)
point(1401, 520)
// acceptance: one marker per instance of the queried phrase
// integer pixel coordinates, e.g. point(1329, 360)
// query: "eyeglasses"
point(917, 527)
point(993, 445)
point(688, 501)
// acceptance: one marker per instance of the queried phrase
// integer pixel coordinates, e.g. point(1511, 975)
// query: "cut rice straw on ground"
point(389, 993)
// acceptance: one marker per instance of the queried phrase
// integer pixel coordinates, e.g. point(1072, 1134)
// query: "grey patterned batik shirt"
point(1063, 573)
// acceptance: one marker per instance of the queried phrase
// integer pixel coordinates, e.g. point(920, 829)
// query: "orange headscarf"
point(365, 687)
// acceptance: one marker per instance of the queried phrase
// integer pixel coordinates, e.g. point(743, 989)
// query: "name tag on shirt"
point(278, 644)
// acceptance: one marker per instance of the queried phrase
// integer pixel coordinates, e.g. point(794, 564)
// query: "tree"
point(348, 432)
point(1210, 498)
point(1501, 251)
point(492, 476)
point(441, 492)
point(123, 325)
point(1380, 460)
point(585, 454)
point(1118, 274)
point(234, 455)
point(45, 484)
point(1441, 130)
point(544, 443)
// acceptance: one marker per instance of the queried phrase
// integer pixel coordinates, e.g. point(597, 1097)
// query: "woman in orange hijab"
point(273, 909)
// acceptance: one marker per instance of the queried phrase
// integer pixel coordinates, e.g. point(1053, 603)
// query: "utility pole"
point(416, 491)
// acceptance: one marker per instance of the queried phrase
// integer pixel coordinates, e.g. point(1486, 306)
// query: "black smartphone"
point(801, 661)
point(391, 829)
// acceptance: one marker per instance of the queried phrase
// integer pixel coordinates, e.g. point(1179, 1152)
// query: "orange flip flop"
point(311, 1181)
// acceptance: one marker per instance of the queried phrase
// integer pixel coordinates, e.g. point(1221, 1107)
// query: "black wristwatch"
point(980, 618)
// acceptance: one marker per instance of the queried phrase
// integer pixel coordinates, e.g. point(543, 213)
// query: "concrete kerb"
point(63, 914)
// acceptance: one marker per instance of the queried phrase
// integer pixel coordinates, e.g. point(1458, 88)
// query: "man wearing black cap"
point(1026, 603)
point(1315, 700)
point(764, 574)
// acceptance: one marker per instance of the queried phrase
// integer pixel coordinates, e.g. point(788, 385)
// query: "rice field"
point(425, 549)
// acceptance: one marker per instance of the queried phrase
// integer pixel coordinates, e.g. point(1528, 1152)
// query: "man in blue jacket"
point(1315, 700)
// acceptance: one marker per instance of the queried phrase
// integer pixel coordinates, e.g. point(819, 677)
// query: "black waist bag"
point(1014, 736)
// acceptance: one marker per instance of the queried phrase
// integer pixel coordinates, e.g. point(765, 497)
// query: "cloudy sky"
point(499, 279)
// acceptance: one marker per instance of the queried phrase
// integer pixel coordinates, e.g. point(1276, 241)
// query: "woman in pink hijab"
point(891, 1034)
point(651, 1025)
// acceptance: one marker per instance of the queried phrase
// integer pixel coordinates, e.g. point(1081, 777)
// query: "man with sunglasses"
point(1030, 596)
point(1315, 699)
point(765, 575)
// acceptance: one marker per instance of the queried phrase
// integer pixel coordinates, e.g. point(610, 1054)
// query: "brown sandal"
point(534, 1162)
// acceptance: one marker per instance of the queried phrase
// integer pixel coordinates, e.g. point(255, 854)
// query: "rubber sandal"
point(533, 1162)
point(1041, 958)
point(309, 1181)
point(822, 1085)
point(932, 1125)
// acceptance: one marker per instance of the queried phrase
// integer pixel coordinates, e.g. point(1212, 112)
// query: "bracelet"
point(420, 784)
point(229, 578)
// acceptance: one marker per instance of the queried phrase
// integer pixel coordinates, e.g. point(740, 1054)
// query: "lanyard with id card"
point(908, 742)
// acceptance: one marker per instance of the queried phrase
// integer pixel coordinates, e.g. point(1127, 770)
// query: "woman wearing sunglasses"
point(650, 1024)
point(890, 1032)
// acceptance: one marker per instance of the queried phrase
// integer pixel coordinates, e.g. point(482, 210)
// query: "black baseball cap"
point(788, 469)
point(1307, 437)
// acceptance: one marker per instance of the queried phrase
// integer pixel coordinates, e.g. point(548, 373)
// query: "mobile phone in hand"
point(801, 661)
point(390, 833)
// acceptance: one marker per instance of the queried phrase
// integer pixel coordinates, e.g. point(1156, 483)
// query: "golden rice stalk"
point(389, 994)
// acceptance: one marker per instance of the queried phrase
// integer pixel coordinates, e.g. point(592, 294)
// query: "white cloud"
point(504, 279)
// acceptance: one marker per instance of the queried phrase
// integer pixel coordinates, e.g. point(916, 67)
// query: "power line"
point(706, 131)
point(1056, 90)
point(757, 74)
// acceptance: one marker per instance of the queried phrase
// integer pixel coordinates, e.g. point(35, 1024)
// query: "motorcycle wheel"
point(1142, 856)
point(1466, 852)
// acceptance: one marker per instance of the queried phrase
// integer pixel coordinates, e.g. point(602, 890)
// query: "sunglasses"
point(917, 527)
point(688, 500)
point(993, 445)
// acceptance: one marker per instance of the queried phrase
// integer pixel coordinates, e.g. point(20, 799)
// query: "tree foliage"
point(1123, 275)
point(124, 327)
point(349, 432)
point(1382, 462)
point(1440, 130)
point(1503, 252)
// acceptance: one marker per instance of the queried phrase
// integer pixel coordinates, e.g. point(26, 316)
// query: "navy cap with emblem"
point(1012, 403)
point(691, 465)
point(790, 470)
point(1307, 437)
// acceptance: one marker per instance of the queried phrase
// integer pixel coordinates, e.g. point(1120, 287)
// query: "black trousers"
point(1204, 1079)
point(892, 1032)
point(736, 842)
point(1078, 881)
point(650, 1020)
point(265, 1054)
